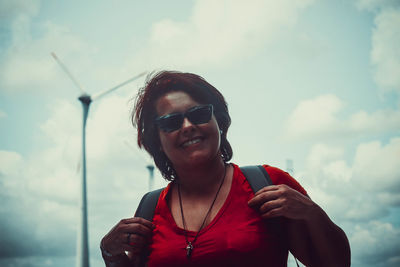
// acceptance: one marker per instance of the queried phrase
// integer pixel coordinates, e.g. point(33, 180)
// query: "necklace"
point(189, 244)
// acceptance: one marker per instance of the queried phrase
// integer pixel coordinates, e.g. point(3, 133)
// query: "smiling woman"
point(158, 90)
point(208, 215)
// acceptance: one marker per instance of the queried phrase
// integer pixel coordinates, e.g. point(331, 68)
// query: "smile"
point(191, 142)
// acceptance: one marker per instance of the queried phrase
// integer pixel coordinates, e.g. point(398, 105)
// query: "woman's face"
point(191, 144)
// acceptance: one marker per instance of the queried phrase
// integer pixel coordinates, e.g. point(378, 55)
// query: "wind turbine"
point(86, 99)
point(149, 164)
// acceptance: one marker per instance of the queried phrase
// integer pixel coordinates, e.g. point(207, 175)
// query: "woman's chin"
point(198, 160)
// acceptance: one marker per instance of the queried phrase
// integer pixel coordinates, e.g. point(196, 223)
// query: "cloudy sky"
point(313, 81)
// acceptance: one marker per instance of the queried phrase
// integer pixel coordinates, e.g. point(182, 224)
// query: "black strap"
point(257, 177)
point(146, 210)
point(148, 205)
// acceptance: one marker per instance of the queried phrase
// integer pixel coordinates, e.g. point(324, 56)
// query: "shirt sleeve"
point(279, 176)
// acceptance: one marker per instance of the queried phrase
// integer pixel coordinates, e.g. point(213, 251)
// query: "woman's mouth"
point(191, 142)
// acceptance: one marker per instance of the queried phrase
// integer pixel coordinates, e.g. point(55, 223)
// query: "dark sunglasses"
point(196, 115)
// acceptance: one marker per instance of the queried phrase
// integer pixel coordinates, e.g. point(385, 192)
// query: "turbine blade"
point(98, 95)
point(65, 69)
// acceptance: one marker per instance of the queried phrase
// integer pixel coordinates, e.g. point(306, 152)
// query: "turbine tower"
point(150, 167)
point(148, 162)
point(86, 99)
point(289, 166)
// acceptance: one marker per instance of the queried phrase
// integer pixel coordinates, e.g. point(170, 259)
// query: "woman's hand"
point(128, 235)
point(313, 238)
point(282, 200)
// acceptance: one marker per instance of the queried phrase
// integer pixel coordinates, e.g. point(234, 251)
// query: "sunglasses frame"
point(182, 116)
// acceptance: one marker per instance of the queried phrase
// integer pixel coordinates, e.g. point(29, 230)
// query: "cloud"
point(26, 215)
point(314, 116)
point(320, 118)
point(359, 194)
point(39, 191)
point(373, 174)
point(11, 162)
point(376, 244)
point(219, 32)
point(2, 114)
point(27, 64)
point(10, 9)
point(378, 164)
point(376, 5)
point(385, 55)
point(40, 261)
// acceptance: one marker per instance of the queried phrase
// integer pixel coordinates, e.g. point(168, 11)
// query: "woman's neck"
point(202, 179)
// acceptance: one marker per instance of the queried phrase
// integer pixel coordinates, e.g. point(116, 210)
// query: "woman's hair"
point(144, 113)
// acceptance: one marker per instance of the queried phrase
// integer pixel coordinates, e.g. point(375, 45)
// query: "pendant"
point(189, 249)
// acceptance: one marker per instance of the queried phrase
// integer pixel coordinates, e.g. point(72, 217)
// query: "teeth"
point(191, 142)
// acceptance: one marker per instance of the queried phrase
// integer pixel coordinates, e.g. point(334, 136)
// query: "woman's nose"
point(187, 125)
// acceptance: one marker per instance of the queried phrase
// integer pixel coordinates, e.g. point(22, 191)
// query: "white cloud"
point(359, 194)
point(376, 166)
point(385, 54)
point(3, 114)
point(10, 9)
point(27, 64)
point(374, 175)
point(376, 244)
point(219, 32)
point(314, 116)
point(49, 182)
point(374, 5)
point(318, 118)
point(10, 163)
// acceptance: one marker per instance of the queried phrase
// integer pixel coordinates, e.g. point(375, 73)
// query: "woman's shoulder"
point(279, 176)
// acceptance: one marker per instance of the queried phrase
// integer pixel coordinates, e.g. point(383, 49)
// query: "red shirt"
point(237, 236)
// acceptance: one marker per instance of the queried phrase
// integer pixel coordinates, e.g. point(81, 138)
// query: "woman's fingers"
point(281, 200)
point(129, 234)
point(136, 228)
point(136, 239)
point(138, 220)
point(263, 195)
point(273, 213)
point(270, 205)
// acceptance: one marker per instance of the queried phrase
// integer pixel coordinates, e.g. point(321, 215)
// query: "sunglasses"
point(174, 121)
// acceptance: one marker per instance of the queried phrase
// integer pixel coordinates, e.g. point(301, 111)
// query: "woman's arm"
point(318, 241)
point(313, 238)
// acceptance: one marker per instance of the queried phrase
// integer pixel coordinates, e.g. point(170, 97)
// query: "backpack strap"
point(146, 210)
point(148, 204)
point(257, 177)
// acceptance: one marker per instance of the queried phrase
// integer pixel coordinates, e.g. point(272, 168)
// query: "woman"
point(208, 215)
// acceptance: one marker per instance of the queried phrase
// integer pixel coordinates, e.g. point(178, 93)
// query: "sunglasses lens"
point(200, 115)
point(170, 123)
point(196, 115)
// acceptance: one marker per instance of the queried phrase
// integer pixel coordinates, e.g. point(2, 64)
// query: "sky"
point(315, 82)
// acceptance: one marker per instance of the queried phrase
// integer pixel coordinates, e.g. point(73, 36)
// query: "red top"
point(237, 236)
